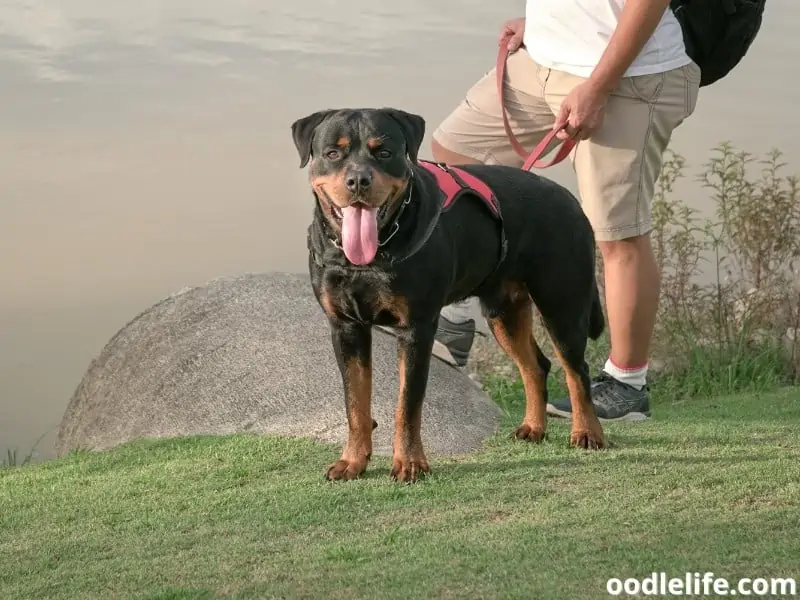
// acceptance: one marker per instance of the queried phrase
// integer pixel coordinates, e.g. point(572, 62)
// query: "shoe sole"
point(443, 352)
point(631, 416)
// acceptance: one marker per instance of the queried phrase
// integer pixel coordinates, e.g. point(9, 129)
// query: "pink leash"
point(532, 159)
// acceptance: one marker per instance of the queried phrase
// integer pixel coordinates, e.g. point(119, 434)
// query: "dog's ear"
point(413, 127)
point(303, 133)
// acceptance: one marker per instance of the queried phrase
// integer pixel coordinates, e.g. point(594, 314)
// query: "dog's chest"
point(365, 298)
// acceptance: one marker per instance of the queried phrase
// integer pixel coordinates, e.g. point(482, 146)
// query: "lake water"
point(145, 147)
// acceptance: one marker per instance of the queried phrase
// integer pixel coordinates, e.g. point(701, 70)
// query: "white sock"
point(635, 376)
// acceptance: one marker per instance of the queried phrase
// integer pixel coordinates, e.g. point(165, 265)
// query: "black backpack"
point(718, 33)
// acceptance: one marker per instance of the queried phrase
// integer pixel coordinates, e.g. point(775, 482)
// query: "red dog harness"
point(455, 182)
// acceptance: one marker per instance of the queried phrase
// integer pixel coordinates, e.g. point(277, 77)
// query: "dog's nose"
point(358, 180)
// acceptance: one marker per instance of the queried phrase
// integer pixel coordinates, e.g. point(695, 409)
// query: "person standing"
point(615, 76)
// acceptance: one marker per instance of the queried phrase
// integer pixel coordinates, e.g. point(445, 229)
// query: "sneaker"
point(454, 340)
point(612, 400)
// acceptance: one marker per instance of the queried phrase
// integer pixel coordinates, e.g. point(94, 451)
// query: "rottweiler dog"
point(384, 250)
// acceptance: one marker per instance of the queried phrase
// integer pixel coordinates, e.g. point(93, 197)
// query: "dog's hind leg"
point(569, 332)
point(510, 318)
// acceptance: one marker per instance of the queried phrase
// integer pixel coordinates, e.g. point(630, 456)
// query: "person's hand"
point(514, 29)
point(581, 112)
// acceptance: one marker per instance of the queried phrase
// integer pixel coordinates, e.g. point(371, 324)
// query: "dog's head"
point(360, 165)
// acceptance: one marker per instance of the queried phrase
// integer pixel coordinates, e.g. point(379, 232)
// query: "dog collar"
point(395, 225)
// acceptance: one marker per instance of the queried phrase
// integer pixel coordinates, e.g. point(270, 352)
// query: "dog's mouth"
point(338, 213)
point(358, 221)
point(359, 224)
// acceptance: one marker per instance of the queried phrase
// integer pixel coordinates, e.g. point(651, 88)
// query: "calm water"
point(145, 147)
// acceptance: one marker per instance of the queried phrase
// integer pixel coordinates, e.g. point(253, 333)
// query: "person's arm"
point(637, 22)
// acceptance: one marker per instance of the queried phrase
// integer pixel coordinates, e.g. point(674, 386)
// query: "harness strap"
point(453, 181)
point(532, 159)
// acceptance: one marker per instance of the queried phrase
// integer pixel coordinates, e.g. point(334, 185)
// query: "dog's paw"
point(529, 434)
point(345, 470)
point(587, 439)
point(409, 469)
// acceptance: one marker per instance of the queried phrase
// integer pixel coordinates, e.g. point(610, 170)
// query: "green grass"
point(730, 369)
point(707, 485)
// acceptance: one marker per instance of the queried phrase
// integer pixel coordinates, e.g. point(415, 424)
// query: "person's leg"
point(474, 133)
point(617, 170)
point(632, 284)
point(456, 331)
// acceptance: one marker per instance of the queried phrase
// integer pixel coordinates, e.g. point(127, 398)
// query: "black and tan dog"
point(389, 245)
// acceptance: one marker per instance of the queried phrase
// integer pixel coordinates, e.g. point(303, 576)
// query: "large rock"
point(252, 354)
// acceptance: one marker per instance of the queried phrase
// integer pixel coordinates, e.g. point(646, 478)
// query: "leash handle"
point(532, 159)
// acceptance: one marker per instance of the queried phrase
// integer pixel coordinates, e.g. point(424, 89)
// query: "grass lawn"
point(707, 485)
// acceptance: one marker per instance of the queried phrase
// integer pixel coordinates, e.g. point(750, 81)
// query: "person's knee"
point(438, 151)
point(627, 250)
point(444, 155)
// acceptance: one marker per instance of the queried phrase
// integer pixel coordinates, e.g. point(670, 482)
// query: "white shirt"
point(571, 36)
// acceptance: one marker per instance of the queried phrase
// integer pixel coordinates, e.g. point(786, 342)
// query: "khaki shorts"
point(617, 168)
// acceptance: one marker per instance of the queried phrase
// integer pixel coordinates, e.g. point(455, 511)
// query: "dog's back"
point(535, 205)
point(549, 238)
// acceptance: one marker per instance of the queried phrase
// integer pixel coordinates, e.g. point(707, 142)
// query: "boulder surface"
point(252, 354)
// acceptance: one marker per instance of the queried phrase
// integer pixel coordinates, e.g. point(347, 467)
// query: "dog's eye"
point(384, 154)
point(333, 154)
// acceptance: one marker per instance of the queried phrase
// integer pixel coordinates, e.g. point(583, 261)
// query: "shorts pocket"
point(692, 72)
point(647, 87)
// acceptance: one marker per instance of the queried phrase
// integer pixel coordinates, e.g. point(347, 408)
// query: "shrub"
point(730, 284)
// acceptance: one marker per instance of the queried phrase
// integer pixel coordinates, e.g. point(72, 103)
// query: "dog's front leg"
point(352, 344)
point(414, 354)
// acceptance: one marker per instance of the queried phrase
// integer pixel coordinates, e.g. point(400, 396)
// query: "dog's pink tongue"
point(360, 234)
